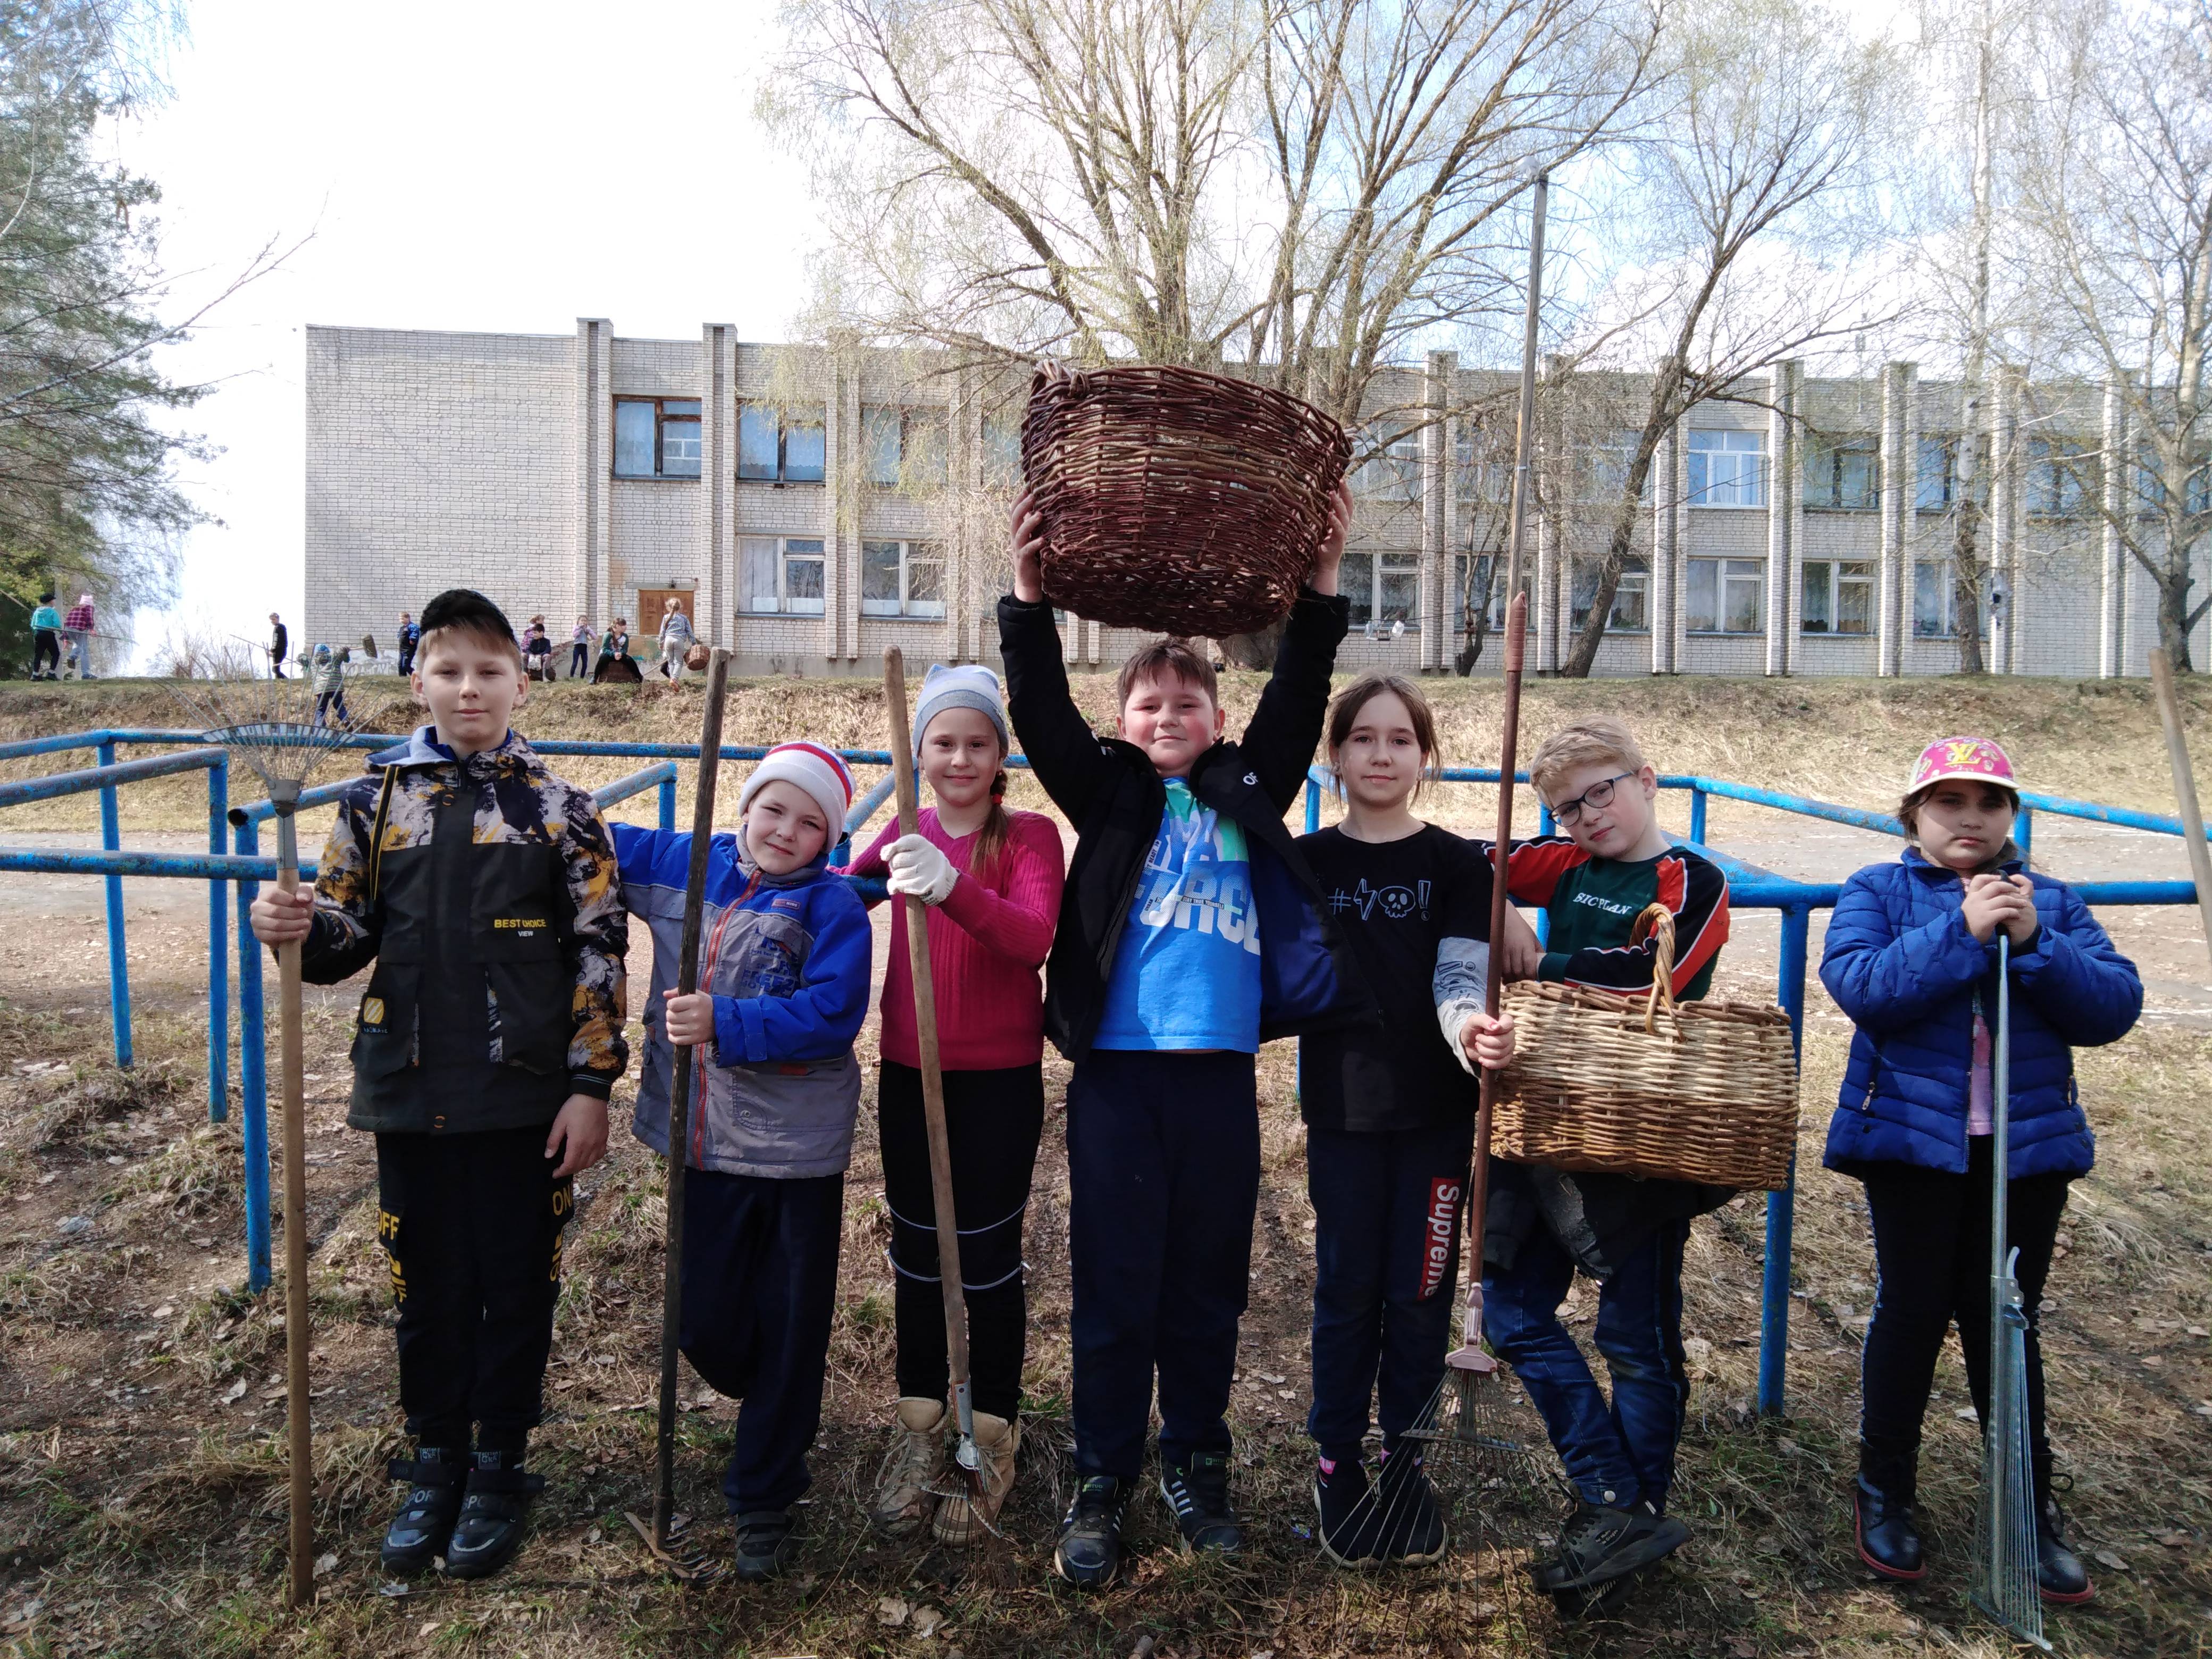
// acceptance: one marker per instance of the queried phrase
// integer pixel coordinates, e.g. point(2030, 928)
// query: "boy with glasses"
point(1544, 1225)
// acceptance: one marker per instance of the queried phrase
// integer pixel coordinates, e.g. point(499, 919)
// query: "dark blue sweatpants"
point(1163, 1173)
point(760, 1285)
point(1386, 1257)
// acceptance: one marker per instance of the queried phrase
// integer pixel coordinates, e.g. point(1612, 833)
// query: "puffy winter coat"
point(1901, 962)
point(786, 958)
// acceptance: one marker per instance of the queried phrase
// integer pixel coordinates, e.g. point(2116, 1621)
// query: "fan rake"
point(272, 726)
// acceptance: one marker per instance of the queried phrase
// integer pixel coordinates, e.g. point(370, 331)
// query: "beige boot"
point(968, 1517)
point(914, 1465)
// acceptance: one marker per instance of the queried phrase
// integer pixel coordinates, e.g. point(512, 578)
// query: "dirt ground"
point(141, 1425)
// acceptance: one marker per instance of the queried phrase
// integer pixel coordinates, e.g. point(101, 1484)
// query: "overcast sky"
point(474, 164)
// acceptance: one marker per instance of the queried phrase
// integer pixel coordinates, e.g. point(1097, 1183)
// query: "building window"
point(1632, 611)
point(776, 447)
point(1842, 473)
point(1605, 467)
point(2150, 486)
point(902, 447)
point(1935, 475)
point(1838, 597)
point(1935, 602)
point(1489, 568)
point(1393, 473)
point(780, 574)
point(901, 578)
point(1002, 450)
point(657, 437)
point(2057, 482)
point(1728, 468)
point(1484, 464)
point(1384, 588)
point(1723, 596)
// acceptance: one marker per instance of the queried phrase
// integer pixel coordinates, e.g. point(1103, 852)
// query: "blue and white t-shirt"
point(1186, 975)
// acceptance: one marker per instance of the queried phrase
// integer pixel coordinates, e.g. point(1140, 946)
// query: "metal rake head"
point(270, 725)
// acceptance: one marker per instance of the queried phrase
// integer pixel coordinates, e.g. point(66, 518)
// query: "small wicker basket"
point(1177, 501)
point(1643, 1085)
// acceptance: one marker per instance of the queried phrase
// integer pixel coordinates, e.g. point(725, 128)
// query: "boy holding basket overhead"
point(1626, 1232)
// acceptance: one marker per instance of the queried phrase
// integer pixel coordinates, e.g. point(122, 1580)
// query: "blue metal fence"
point(1750, 888)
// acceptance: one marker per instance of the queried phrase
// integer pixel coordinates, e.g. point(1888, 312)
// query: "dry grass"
point(140, 1489)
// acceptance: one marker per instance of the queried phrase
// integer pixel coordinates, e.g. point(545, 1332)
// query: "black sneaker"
point(2059, 1574)
point(418, 1533)
point(1090, 1548)
point(1600, 1543)
point(1888, 1537)
point(488, 1529)
point(766, 1539)
point(1412, 1527)
point(1198, 1493)
point(1349, 1534)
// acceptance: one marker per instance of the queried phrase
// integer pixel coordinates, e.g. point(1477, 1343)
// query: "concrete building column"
point(1678, 657)
point(2006, 632)
point(714, 512)
point(1893, 595)
point(1784, 555)
point(595, 465)
point(2112, 588)
point(1665, 601)
point(1436, 495)
point(841, 462)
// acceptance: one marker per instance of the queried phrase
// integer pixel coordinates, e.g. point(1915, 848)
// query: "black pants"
point(579, 658)
point(1163, 1171)
point(1931, 1244)
point(407, 662)
point(760, 1285)
point(46, 651)
point(993, 1120)
point(472, 1223)
point(324, 703)
point(1386, 1257)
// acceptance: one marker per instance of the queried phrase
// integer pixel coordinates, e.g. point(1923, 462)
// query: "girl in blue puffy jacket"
point(1911, 957)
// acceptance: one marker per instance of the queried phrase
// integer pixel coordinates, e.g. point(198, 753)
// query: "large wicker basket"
point(1641, 1084)
point(1177, 501)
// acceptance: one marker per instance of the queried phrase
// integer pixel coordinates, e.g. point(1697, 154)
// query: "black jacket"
point(1113, 795)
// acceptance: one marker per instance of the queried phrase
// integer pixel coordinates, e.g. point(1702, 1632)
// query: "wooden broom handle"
point(925, 1028)
point(300, 1584)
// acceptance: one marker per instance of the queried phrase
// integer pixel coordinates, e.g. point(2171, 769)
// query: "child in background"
point(579, 648)
point(1911, 958)
point(783, 988)
point(675, 638)
point(45, 639)
point(992, 879)
point(77, 630)
point(538, 650)
point(1190, 930)
point(326, 671)
point(410, 639)
point(483, 887)
point(1389, 1113)
point(1627, 1233)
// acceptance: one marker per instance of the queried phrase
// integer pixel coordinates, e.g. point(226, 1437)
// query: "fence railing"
point(1750, 888)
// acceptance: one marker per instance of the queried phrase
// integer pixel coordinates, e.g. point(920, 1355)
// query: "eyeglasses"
point(1568, 813)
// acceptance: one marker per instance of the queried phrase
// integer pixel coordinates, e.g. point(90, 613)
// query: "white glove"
point(920, 869)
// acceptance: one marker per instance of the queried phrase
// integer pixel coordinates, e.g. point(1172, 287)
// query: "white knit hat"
point(813, 768)
point(969, 686)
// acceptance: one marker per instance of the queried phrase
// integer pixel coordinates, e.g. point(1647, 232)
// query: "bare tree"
point(2116, 246)
point(1746, 229)
point(1299, 191)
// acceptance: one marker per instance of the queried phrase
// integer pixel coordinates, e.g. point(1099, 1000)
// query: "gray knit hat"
point(969, 686)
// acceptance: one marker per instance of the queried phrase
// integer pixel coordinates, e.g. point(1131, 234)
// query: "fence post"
point(2023, 833)
point(1313, 805)
point(1546, 825)
point(668, 803)
point(218, 953)
point(252, 1074)
point(1697, 817)
point(118, 963)
point(1781, 1208)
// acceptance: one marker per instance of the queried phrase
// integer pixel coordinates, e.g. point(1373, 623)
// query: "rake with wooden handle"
point(932, 1077)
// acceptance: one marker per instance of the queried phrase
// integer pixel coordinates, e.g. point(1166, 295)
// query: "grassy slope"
point(144, 1514)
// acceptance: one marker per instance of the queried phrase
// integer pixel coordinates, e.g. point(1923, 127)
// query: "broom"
point(2005, 1585)
point(970, 1460)
point(270, 725)
point(658, 1538)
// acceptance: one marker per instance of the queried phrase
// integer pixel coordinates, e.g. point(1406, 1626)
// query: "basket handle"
point(1657, 920)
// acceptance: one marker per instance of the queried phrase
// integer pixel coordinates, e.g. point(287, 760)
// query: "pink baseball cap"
point(1962, 757)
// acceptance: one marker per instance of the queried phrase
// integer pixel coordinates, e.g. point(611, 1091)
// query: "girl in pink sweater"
point(992, 881)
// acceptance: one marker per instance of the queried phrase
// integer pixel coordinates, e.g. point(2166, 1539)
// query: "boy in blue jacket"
point(783, 978)
point(1911, 958)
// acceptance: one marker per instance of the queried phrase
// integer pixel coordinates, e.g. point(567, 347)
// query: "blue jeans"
point(1615, 1453)
point(1386, 1205)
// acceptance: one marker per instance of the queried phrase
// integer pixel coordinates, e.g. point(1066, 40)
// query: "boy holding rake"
point(1627, 1233)
point(1190, 930)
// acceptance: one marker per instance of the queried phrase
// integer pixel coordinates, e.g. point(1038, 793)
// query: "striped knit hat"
point(813, 768)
